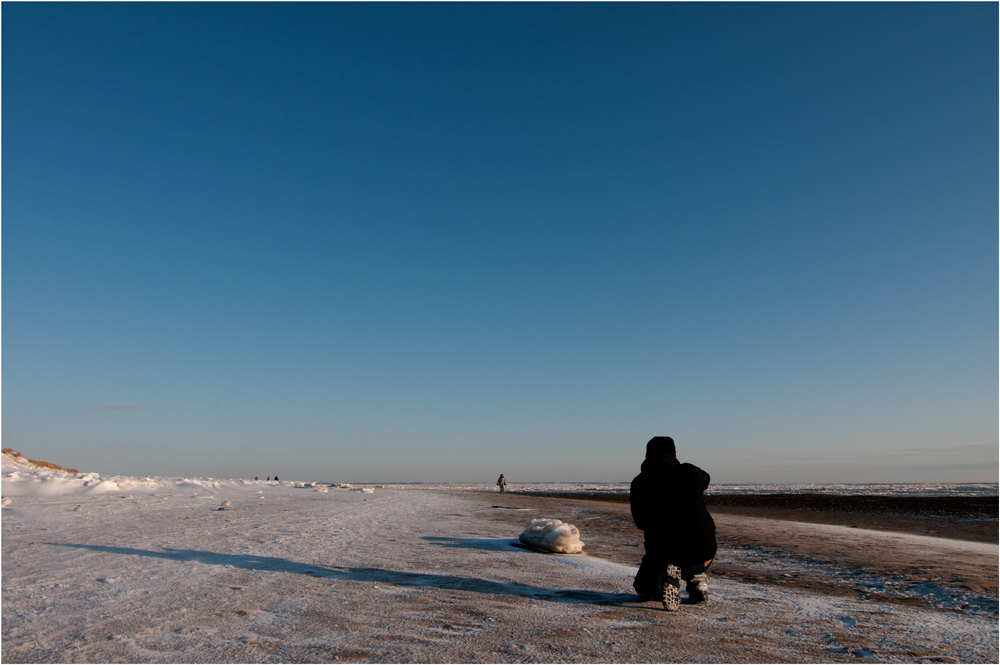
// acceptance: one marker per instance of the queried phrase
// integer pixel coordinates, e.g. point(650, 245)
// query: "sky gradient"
point(438, 242)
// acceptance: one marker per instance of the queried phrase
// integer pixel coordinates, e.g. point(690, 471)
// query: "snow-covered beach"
point(165, 570)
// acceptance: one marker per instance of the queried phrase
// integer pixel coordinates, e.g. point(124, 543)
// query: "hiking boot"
point(697, 588)
point(670, 584)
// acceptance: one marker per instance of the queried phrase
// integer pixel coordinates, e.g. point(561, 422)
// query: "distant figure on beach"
point(256, 478)
point(501, 483)
point(668, 504)
point(276, 479)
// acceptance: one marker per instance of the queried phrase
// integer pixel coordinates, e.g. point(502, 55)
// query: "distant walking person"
point(501, 482)
point(276, 479)
point(668, 504)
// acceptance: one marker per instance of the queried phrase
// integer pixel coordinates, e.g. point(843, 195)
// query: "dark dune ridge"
point(962, 507)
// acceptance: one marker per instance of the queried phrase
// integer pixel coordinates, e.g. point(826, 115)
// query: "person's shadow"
point(486, 544)
point(491, 545)
point(379, 575)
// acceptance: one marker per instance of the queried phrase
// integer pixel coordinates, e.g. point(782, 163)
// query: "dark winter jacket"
point(668, 504)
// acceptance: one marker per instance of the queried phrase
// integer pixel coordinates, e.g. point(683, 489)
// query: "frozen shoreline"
point(161, 574)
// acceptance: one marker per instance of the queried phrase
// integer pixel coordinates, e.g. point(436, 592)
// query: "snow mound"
point(553, 536)
point(21, 477)
point(14, 459)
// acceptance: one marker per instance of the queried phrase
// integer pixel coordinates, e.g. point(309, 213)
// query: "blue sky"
point(416, 242)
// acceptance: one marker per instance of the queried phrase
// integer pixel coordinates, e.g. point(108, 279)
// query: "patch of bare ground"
point(778, 546)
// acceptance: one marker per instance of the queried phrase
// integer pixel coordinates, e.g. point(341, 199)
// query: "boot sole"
point(672, 588)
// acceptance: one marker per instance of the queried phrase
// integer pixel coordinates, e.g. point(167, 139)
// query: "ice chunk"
point(552, 535)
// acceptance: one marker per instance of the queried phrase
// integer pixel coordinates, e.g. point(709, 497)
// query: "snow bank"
point(21, 478)
point(552, 535)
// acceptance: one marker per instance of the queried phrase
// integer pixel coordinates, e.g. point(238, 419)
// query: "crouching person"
point(668, 505)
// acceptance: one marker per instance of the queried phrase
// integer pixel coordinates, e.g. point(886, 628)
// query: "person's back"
point(668, 505)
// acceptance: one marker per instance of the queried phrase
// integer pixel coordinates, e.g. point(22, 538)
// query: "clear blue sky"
point(415, 242)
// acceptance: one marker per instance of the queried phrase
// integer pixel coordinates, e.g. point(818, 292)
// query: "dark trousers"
point(647, 580)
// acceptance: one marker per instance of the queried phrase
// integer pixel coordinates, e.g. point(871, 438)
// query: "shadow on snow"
point(487, 544)
point(449, 582)
point(491, 545)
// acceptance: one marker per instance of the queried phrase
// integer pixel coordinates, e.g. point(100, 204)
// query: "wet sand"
point(832, 543)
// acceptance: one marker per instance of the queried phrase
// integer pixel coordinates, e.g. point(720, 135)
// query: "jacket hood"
point(658, 461)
